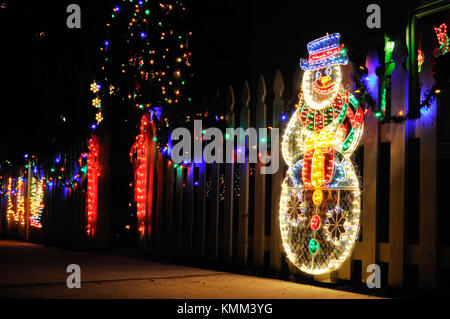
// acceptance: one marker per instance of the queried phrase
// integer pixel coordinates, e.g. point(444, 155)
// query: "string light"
point(36, 201)
point(138, 156)
point(10, 212)
point(93, 171)
point(20, 202)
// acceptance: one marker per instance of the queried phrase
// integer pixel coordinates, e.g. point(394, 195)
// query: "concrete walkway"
point(36, 271)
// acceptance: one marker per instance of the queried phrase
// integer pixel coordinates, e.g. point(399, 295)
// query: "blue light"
point(57, 160)
point(196, 183)
point(143, 35)
point(93, 126)
point(106, 43)
point(117, 9)
point(25, 156)
point(283, 117)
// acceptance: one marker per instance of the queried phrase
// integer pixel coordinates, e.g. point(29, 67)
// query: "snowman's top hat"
point(323, 52)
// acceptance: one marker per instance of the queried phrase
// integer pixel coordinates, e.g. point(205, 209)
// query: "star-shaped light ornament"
point(95, 87)
point(99, 117)
point(96, 102)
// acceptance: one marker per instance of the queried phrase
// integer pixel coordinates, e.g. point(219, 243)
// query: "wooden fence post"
point(369, 193)
point(242, 247)
point(177, 214)
point(229, 185)
point(168, 220)
point(397, 183)
point(260, 180)
point(275, 236)
point(213, 212)
point(104, 182)
point(189, 213)
point(161, 185)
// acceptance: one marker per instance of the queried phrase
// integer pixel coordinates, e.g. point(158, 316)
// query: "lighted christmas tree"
point(145, 61)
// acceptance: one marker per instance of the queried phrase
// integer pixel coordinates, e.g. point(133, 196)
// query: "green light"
point(313, 246)
point(147, 12)
point(263, 139)
point(227, 136)
point(378, 114)
point(389, 46)
point(203, 131)
point(113, 16)
point(52, 170)
point(383, 99)
point(155, 139)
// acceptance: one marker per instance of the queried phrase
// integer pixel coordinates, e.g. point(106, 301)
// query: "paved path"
point(36, 271)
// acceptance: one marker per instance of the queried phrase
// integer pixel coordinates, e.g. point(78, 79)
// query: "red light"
point(315, 222)
point(92, 177)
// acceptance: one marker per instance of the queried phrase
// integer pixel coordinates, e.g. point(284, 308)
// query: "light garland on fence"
point(10, 212)
point(320, 198)
point(36, 202)
point(140, 149)
point(93, 172)
point(20, 201)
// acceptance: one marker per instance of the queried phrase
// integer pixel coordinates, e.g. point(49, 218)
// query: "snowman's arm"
point(355, 116)
point(292, 143)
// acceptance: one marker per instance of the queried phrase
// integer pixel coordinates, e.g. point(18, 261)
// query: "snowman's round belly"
point(319, 226)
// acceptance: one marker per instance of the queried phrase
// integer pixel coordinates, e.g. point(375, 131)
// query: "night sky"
point(45, 77)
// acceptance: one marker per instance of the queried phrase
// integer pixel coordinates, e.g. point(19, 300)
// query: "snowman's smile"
point(323, 89)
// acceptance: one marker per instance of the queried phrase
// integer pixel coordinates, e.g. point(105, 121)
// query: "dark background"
point(46, 78)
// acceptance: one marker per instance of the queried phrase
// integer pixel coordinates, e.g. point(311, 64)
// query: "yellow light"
point(99, 117)
point(94, 87)
point(96, 102)
point(317, 197)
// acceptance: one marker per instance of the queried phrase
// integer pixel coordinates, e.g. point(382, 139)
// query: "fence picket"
point(275, 238)
point(260, 180)
point(242, 248)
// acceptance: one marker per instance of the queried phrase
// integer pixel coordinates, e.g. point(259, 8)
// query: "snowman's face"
point(320, 86)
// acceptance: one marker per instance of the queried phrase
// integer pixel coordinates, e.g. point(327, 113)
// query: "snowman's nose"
point(325, 79)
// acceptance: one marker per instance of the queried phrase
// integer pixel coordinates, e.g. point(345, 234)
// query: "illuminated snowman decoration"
point(320, 198)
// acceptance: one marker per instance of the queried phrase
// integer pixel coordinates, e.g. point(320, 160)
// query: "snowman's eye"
point(318, 75)
point(328, 71)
